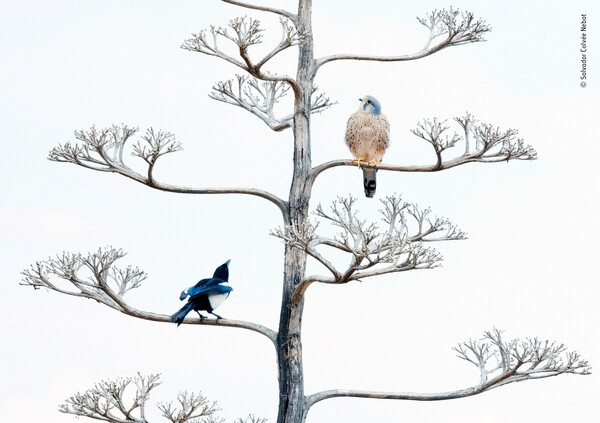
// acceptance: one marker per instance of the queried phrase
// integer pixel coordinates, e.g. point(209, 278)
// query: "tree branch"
point(191, 406)
point(257, 98)
point(102, 150)
point(398, 244)
point(260, 98)
point(454, 26)
point(289, 37)
point(499, 363)
point(492, 145)
point(244, 33)
point(108, 284)
point(105, 398)
point(292, 17)
point(105, 402)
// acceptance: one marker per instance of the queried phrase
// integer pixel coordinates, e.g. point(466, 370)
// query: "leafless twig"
point(432, 132)
point(446, 28)
point(491, 145)
point(96, 277)
point(156, 144)
point(398, 244)
point(105, 282)
point(521, 360)
point(114, 401)
point(106, 402)
point(245, 32)
point(260, 97)
point(190, 407)
point(103, 149)
point(499, 363)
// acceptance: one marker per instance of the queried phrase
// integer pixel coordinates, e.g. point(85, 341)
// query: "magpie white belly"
point(216, 300)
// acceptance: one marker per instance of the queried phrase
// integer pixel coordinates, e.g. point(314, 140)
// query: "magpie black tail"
point(369, 174)
point(181, 313)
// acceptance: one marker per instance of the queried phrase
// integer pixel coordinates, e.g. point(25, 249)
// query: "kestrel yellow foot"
point(374, 161)
point(358, 160)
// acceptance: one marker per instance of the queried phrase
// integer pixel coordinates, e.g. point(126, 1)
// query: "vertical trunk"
point(292, 407)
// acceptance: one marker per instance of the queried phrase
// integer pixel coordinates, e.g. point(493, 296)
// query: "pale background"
point(529, 265)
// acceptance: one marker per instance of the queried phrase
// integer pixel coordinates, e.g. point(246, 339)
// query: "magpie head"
point(222, 272)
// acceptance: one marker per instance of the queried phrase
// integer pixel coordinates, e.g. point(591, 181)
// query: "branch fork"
point(103, 149)
point(245, 32)
point(107, 401)
point(483, 143)
point(452, 26)
point(499, 363)
point(107, 284)
point(398, 245)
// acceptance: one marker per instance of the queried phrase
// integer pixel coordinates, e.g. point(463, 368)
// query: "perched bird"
point(206, 295)
point(368, 136)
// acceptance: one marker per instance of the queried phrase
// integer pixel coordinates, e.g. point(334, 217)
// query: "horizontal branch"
point(403, 58)
point(410, 396)
point(102, 150)
point(108, 284)
point(241, 324)
point(512, 361)
point(454, 26)
point(282, 205)
point(292, 17)
point(492, 145)
point(352, 275)
point(403, 168)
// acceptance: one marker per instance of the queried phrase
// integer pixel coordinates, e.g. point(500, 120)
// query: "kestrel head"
point(370, 104)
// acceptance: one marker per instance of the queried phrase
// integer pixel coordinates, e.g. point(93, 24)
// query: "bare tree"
point(396, 243)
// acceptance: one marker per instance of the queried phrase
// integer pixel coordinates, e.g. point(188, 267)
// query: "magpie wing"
point(203, 287)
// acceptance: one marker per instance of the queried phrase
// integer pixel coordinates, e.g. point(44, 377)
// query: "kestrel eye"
point(369, 101)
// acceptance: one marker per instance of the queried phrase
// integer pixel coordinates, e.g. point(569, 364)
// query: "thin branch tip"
point(447, 28)
point(482, 142)
point(95, 276)
point(396, 244)
point(103, 150)
point(499, 363)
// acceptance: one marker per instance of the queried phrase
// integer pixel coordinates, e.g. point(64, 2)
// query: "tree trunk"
point(291, 372)
point(292, 407)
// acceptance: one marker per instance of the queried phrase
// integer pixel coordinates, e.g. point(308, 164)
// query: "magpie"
point(206, 295)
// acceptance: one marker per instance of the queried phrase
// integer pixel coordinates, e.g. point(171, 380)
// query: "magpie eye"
point(369, 101)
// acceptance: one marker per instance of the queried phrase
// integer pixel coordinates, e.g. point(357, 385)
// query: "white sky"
point(529, 265)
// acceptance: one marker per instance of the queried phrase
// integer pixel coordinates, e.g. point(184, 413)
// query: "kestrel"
point(368, 136)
